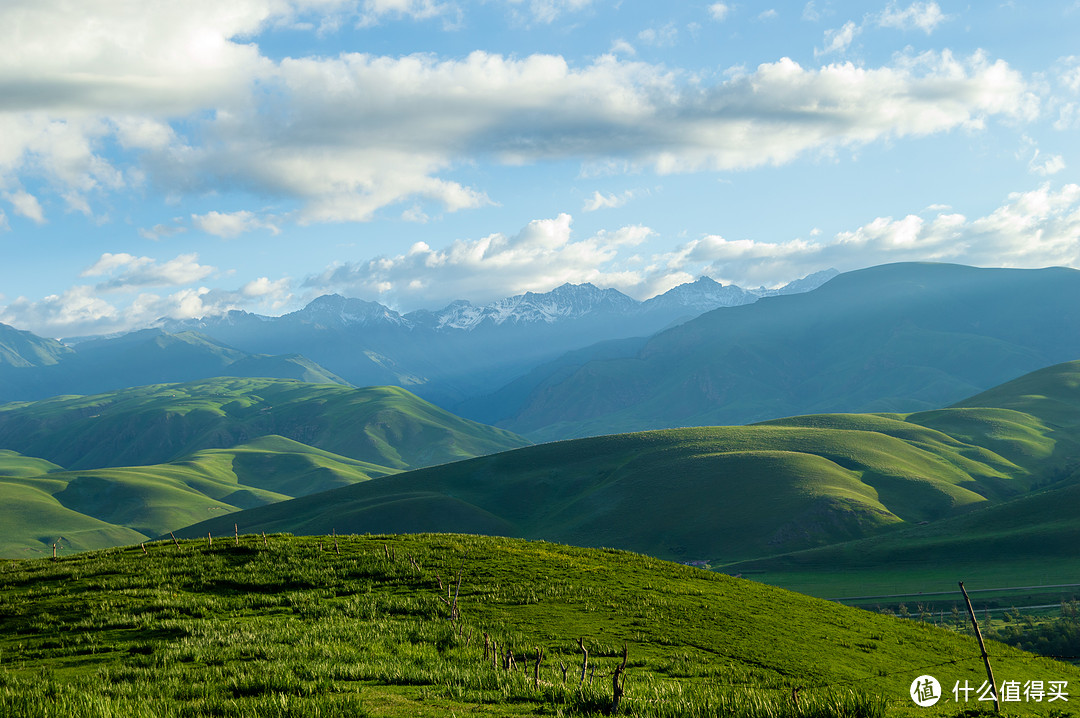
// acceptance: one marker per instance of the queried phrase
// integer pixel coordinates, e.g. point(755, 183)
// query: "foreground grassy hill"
point(296, 627)
point(386, 426)
point(726, 493)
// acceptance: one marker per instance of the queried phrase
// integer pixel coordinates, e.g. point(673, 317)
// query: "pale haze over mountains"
point(460, 352)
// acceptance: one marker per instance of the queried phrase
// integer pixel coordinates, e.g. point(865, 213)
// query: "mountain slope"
point(386, 426)
point(149, 356)
point(99, 507)
point(724, 493)
point(464, 350)
point(899, 337)
point(286, 628)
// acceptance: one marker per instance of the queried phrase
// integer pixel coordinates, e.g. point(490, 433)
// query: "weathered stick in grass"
point(236, 533)
point(145, 552)
point(618, 679)
point(54, 552)
point(536, 668)
point(386, 551)
point(563, 667)
point(454, 613)
point(487, 644)
point(336, 549)
point(416, 566)
point(265, 544)
point(174, 539)
point(982, 647)
point(209, 540)
point(494, 653)
point(584, 661)
point(795, 698)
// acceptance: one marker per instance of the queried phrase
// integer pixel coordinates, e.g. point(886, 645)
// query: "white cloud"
point(231, 224)
point(1032, 229)
point(78, 307)
point(375, 11)
point(925, 16)
point(607, 201)
point(158, 231)
point(548, 11)
point(541, 256)
point(26, 205)
point(719, 11)
point(839, 40)
point(665, 36)
point(1049, 166)
point(178, 97)
point(622, 47)
point(769, 14)
point(133, 272)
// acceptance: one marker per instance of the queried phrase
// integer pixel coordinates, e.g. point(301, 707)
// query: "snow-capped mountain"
point(569, 301)
point(336, 310)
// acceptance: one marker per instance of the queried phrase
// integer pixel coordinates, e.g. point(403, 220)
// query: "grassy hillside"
point(89, 472)
point(96, 508)
point(707, 493)
point(895, 338)
point(726, 493)
point(296, 628)
point(386, 426)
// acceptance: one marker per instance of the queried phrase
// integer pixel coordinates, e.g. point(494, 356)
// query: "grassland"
point(386, 426)
point(67, 485)
point(293, 627)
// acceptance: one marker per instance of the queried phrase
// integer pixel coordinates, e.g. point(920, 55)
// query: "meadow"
point(422, 625)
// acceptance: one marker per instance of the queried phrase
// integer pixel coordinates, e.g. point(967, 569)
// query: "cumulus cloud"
point(547, 11)
point(159, 231)
point(925, 16)
point(839, 40)
point(1037, 228)
point(231, 224)
point(26, 205)
point(128, 272)
point(664, 36)
point(192, 106)
point(541, 256)
point(87, 309)
point(719, 11)
point(607, 201)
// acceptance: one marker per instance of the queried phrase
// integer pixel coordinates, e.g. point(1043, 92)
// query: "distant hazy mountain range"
point(460, 352)
point(900, 337)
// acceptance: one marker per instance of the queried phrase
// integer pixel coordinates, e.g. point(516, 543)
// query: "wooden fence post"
point(618, 679)
point(584, 661)
point(982, 647)
point(536, 668)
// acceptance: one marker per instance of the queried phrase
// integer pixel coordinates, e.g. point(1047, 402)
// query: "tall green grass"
point(294, 627)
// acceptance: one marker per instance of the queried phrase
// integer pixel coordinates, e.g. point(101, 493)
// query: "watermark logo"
point(925, 691)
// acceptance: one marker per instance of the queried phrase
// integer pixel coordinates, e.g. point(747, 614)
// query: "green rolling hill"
point(292, 627)
point(386, 426)
point(90, 472)
point(725, 493)
point(94, 508)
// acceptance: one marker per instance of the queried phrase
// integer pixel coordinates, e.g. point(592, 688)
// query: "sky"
point(183, 159)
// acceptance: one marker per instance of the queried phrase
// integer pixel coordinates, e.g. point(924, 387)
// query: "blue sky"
point(183, 159)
